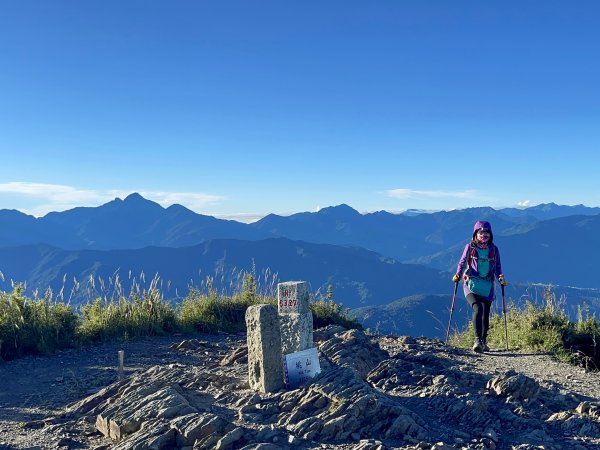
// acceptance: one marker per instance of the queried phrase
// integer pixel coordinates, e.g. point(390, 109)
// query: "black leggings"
point(481, 314)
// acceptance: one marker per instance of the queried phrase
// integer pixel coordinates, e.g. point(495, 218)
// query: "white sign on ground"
point(299, 367)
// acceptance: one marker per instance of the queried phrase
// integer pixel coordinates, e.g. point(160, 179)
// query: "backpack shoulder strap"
point(472, 252)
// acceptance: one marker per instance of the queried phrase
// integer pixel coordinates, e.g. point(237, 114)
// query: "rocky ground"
point(372, 393)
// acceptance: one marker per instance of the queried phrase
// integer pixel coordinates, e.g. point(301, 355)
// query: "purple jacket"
point(495, 269)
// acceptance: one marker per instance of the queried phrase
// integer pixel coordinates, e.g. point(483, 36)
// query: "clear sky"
point(242, 108)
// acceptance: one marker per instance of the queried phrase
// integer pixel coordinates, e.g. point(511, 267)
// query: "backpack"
point(477, 284)
point(491, 258)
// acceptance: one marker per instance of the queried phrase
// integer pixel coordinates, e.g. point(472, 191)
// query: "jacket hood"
point(483, 224)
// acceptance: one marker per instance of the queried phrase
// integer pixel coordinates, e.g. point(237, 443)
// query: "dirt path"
point(545, 368)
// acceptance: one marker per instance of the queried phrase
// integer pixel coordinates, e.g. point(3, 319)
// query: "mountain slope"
point(358, 276)
point(415, 315)
point(559, 251)
point(403, 237)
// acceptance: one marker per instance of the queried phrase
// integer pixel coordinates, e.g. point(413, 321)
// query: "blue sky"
point(242, 108)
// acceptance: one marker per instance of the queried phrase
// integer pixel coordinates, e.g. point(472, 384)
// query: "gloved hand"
point(455, 278)
point(502, 280)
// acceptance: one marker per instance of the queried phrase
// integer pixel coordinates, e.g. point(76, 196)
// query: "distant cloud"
point(524, 203)
point(412, 193)
point(239, 217)
point(42, 198)
point(54, 192)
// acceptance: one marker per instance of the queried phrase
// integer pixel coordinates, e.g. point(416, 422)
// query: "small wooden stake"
point(121, 360)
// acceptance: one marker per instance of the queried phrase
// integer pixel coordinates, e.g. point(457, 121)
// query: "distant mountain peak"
point(135, 197)
point(340, 209)
point(545, 206)
point(179, 207)
point(136, 200)
point(479, 209)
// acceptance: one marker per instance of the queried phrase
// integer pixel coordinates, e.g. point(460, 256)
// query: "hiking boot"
point(477, 346)
point(484, 345)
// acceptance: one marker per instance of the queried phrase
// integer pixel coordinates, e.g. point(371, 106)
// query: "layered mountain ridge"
point(370, 260)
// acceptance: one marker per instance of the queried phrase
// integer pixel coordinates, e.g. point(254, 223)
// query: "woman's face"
point(483, 236)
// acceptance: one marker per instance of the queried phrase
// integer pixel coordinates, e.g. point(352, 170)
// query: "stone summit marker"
point(265, 370)
point(280, 341)
point(301, 360)
point(295, 317)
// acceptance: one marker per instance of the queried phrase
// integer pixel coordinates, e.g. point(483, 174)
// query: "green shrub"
point(582, 341)
point(139, 315)
point(34, 326)
point(327, 312)
point(43, 326)
point(209, 313)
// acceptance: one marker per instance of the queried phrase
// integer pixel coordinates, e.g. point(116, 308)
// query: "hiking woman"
point(478, 267)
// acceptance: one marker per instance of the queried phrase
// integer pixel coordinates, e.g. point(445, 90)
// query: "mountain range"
point(132, 223)
point(358, 276)
point(136, 222)
point(371, 260)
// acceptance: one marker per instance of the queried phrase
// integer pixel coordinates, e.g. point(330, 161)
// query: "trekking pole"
point(504, 311)
point(451, 311)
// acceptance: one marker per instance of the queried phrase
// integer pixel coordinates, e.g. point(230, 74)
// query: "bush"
point(34, 326)
point(327, 312)
point(139, 315)
point(43, 326)
point(208, 313)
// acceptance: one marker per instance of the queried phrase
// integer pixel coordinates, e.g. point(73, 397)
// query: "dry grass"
point(44, 325)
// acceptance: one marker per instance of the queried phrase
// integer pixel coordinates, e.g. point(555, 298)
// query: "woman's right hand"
point(455, 278)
